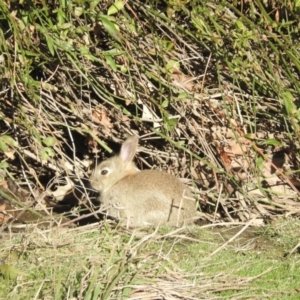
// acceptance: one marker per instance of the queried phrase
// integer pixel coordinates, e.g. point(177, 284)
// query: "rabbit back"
point(149, 197)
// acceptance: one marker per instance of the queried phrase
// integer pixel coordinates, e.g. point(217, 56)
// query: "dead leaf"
point(102, 118)
point(4, 184)
point(183, 81)
point(92, 144)
point(62, 190)
point(2, 207)
point(225, 158)
point(237, 147)
point(125, 118)
point(4, 216)
point(149, 115)
point(10, 154)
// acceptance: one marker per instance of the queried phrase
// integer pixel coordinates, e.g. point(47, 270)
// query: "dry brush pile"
point(212, 88)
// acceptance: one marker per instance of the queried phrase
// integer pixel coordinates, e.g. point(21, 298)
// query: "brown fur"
point(141, 198)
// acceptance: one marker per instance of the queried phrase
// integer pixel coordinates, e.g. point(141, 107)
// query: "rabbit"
point(141, 198)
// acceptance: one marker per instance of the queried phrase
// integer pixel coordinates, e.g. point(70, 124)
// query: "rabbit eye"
point(104, 172)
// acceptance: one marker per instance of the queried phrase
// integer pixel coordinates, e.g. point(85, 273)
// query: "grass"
point(213, 82)
point(211, 87)
point(104, 262)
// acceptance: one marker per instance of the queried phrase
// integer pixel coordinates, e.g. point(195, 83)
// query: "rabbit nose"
point(95, 184)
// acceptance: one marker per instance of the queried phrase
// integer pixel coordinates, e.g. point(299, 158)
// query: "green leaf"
point(37, 136)
point(110, 61)
point(51, 152)
point(172, 65)
point(170, 123)
point(165, 103)
point(123, 69)
point(249, 136)
point(65, 25)
point(50, 44)
point(85, 52)
point(61, 16)
point(110, 27)
point(22, 22)
point(94, 4)
point(272, 142)
point(3, 146)
point(8, 140)
point(168, 44)
point(9, 272)
point(239, 24)
point(49, 141)
point(115, 8)
point(289, 102)
point(259, 162)
point(182, 96)
point(46, 153)
point(4, 165)
point(78, 11)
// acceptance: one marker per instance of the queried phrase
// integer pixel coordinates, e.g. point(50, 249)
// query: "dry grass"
point(98, 262)
point(210, 90)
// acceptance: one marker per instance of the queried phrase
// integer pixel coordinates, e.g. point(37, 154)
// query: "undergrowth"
point(210, 87)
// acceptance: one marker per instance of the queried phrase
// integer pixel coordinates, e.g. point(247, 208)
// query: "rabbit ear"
point(128, 149)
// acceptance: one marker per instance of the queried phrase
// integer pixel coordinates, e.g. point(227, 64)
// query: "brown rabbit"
point(141, 198)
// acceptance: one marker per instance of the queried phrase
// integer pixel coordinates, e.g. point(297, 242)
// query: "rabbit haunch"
point(141, 198)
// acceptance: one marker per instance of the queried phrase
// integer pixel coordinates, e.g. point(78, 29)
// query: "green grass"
point(203, 70)
point(99, 262)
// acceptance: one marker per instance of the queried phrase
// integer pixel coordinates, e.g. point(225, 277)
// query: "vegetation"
point(211, 87)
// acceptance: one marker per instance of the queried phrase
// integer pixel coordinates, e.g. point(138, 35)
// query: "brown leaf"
point(2, 207)
point(92, 144)
point(4, 217)
point(102, 118)
point(127, 102)
point(10, 154)
point(183, 81)
point(225, 158)
point(236, 148)
point(125, 118)
point(4, 184)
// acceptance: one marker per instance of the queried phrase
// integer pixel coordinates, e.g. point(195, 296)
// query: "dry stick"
point(49, 165)
point(225, 224)
point(259, 151)
point(144, 239)
point(257, 276)
point(294, 249)
point(173, 234)
point(220, 193)
point(93, 213)
point(73, 147)
point(233, 238)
